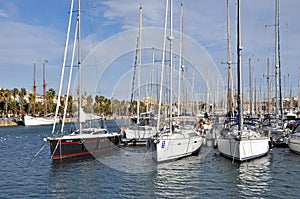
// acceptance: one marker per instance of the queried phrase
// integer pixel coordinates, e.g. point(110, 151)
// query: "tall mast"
point(298, 88)
point(44, 88)
point(171, 62)
point(79, 66)
point(139, 65)
point(34, 88)
point(63, 65)
point(250, 89)
point(276, 61)
point(229, 62)
point(269, 86)
point(180, 67)
point(239, 69)
point(162, 65)
point(207, 106)
point(193, 92)
point(152, 76)
point(279, 69)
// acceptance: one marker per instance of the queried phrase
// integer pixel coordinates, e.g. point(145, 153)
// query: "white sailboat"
point(294, 141)
point(172, 142)
point(90, 138)
point(242, 141)
point(34, 120)
point(143, 126)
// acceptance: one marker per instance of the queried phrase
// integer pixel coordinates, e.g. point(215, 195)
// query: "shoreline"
point(12, 122)
point(5, 123)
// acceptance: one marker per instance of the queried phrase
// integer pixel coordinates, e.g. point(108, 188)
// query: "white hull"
point(294, 143)
point(142, 132)
point(244, 149)
point(175, 146)
point(207, 126)
point(36, 121)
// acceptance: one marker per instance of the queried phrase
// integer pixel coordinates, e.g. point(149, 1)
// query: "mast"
point(171, 63)
point(291, 98)
point(139, 65)
point(269, 86)
point(162, 65)
point(239, 69)
point(276, 62)
point(193, 92)
point(279, 68)
point(298, 88)
point(134, 72)
point(63, 65)
point(34, 88)
point(152, 76)
point(69, 81)
point(255, 111)
point(180, 67)
point(207, 106)
point(250, 89)
point(79, 66)
point(229, 62)
point(44, 88)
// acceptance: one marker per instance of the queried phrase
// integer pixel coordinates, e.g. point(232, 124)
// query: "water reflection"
point(182, 178)
point(90, 178)
point(129, 160)
point(254, 178)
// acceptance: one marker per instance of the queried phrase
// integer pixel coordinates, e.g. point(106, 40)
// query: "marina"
point(126, 174)
point(142, 103)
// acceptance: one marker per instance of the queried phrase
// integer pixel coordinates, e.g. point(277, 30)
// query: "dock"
point(134, 142)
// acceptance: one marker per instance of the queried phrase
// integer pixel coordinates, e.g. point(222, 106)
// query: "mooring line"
point(42, 148)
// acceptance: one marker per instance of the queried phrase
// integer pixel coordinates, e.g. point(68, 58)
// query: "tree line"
point(16, 102)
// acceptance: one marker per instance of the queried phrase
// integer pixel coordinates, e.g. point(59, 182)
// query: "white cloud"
point(21, 44)
point(3, 13)
point(204, 21)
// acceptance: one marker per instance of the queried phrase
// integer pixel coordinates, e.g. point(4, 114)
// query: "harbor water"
point(131, 173)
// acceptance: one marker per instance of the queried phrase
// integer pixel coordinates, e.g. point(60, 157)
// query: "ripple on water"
point(126, 174)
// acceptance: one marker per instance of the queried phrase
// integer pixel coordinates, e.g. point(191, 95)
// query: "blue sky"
point(36, 30)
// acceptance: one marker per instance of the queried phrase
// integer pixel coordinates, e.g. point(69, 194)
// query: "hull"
point(174, 146)
point(243, 149)
point(294, 143)
point(81, 145)
point(143, 132)
point(36, 121)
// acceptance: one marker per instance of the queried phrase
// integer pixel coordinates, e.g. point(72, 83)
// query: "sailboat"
point(171, 142)
point(91, 138)
point(37, 120)
point(242, 141)
point(283, 127)
point(143, 124)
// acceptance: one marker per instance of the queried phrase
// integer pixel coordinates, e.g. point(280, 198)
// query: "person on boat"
point(207, 121)
point(229, 114)
point(123, 133)
point(200, 126)
point(206, 115)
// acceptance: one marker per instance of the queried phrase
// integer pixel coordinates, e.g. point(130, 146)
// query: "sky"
point(33, 30)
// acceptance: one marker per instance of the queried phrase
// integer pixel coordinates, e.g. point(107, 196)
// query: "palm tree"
point(7, 97)
point(2, 99)
point(15, 93)
point(50, 95)
point(31, 101)
point(89, 104)
point(22, 94)
point(70, 105)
